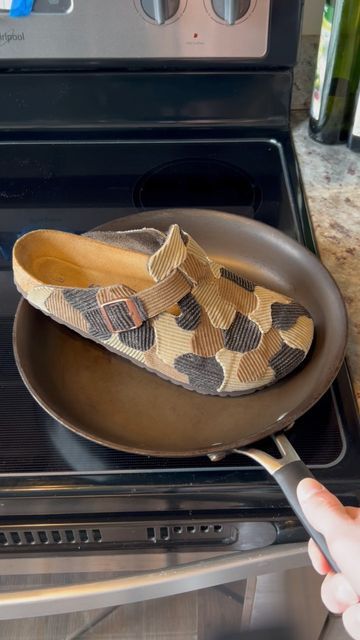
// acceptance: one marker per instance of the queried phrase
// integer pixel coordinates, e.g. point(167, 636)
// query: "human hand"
point(341, 528)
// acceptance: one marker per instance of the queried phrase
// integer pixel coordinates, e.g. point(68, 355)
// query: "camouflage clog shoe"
point(158, 300)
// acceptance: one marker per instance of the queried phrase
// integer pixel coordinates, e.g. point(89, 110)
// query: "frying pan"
point(106, 398)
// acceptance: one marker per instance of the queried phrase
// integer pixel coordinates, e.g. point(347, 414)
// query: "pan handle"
point(288, 471)
point(288, 478)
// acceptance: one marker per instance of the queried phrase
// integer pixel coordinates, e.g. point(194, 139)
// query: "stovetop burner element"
point(197, 182)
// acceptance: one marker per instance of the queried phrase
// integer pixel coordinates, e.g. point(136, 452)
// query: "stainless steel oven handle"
point(155, 584)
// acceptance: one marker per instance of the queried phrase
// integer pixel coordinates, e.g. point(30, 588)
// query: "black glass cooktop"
point(76, 186)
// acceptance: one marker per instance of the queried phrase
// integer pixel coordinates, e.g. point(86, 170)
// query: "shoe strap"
point(124, 314)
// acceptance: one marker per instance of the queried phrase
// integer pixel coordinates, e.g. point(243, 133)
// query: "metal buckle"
point(132, 311)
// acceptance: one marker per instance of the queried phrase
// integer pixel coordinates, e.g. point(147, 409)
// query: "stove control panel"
point(80, 30)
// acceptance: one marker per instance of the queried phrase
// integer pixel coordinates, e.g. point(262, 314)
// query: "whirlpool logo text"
point(11, 36)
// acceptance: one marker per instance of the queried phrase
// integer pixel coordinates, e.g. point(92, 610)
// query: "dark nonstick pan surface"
point(106, 398)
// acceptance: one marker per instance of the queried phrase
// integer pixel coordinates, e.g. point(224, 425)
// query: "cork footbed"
point(63, 259)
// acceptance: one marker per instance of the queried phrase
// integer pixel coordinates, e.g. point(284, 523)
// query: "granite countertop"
point(331, 176)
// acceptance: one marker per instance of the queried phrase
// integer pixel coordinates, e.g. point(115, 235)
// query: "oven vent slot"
point(37, 537)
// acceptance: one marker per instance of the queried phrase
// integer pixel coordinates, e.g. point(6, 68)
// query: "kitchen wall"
point(312, 16)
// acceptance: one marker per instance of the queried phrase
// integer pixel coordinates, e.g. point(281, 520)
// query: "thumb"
point(321, 508)
point(326, 514)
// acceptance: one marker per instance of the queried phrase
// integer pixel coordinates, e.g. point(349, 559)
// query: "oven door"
point(172, 596)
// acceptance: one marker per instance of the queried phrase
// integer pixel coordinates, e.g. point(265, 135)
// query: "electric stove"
point(86, 137)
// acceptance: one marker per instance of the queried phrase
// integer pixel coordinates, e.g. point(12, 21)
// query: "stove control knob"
point(230, 11)
point(160, 10)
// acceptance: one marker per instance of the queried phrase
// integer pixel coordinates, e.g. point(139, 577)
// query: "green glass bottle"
point(354, 138)
point(337, 72)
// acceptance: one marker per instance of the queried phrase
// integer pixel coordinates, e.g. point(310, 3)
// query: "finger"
point(321, 508)
point(337, 593)
point(339, 526)
point(351, 620)
point(319, 562)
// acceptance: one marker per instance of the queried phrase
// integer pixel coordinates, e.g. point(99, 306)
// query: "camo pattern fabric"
point(200, 325)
